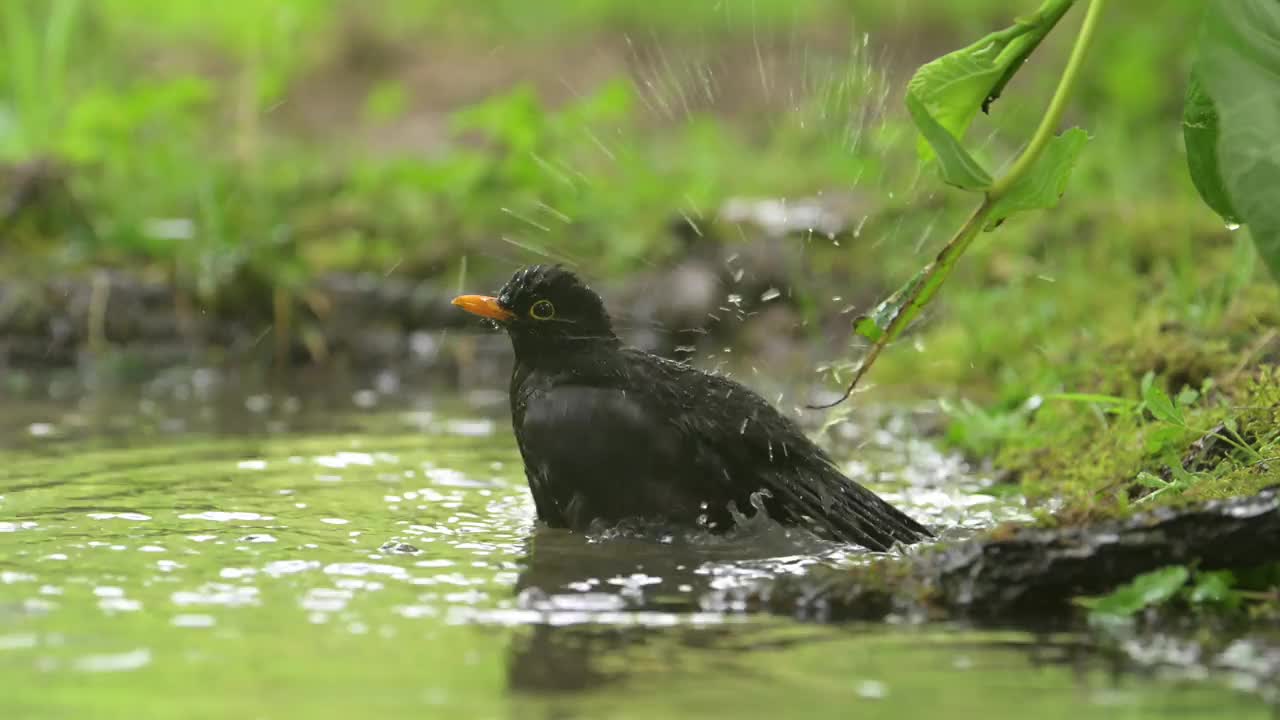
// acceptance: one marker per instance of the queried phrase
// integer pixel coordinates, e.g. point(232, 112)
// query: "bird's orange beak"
point(484, 306)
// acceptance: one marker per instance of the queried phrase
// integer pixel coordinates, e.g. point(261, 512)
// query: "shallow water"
point(194, 550)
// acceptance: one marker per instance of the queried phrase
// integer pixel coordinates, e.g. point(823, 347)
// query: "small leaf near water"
point(955, 164)
point(1215, 588)
point(1188, 397)
point(874, 325)
point(1238, 65)
point(1046, 181)
point(1163, 439)
point(1159, 404)
point(1200, 135)
point(955, 86)
point(1146, 590)
point(1149, 480)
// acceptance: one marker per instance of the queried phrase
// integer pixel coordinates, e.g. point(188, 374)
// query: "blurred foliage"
point(186, 131)
point(170, 143)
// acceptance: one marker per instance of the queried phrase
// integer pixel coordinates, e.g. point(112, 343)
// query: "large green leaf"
point(955, 86)
point(1239, 67)
point(955, 164)
point(1046, 180)
point(1200, 135)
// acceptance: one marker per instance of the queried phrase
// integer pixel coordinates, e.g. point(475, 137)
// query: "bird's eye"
point(542, 310)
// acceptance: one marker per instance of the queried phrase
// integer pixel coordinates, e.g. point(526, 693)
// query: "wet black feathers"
point(610, 433)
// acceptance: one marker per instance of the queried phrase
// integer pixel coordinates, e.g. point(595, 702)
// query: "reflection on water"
point(299, 554)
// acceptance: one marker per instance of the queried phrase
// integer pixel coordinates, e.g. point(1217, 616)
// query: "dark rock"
point(1036, 572)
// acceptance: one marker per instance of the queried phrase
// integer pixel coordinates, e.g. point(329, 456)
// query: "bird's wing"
point(753, 442)
point(602, 452)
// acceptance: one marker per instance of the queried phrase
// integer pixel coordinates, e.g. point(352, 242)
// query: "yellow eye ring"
point(542, 310)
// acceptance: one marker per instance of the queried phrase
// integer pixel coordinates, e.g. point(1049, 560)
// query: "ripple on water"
point(360, 569)
point(20, 641)
point(342, 460)
point(482, 427)
point(449, 477)
point(278, 568)
point(119, 604)
point(221, 594)
point(119, 516)
point(393, 547)
point(114, 662)
point(326, 600)
point(8, 527)
point(222, 516)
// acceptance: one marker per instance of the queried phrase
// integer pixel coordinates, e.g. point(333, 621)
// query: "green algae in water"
point(388, 564)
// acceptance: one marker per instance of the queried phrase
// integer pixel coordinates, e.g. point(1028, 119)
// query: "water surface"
point(196, 550)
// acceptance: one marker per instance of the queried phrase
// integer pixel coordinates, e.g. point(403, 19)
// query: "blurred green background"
point(290, 138)
point(240, 150)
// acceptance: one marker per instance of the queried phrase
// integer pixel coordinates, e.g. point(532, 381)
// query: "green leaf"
point(1200, 135)
point(1164, 438)
point(1238, 65)
point(1149, 480)
point(1146, 590)
point(1215, 588)
point(1044, 183)
point(955, 86)
point(955, 164)
point(870, 327)
point(1159, 404)
point(1188, 397)
point(1231, 426)
point(1182, 478)
point(875, 324)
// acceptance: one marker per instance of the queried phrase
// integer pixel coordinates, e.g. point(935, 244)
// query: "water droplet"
point(872, 690)
point(257, 404)
point(1233, 226)
point(40, 429)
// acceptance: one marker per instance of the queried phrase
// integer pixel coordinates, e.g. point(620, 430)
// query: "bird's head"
point(544, 307)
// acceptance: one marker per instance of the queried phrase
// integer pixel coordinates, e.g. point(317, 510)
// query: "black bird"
point(609, 432)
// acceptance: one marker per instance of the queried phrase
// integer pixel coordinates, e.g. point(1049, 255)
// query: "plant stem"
point(938, 270)
point(1241, 445)
point(1053, 115)
point(935, 273)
